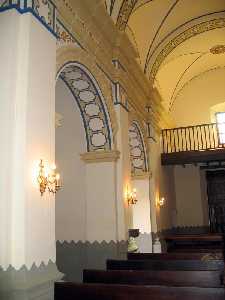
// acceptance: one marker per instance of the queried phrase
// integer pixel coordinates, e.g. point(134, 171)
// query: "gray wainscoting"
point(72, 257)
point(36, 283)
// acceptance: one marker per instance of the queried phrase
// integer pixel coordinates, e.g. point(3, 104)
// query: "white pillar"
point(27, 85)
point(125, 220)
point(142, 212)
point(101, 200)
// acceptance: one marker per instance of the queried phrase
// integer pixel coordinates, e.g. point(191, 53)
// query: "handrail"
point(200, 137)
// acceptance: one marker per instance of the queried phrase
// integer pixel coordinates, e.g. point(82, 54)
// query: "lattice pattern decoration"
point(91, 104)
point(137, 150)
point(46, 12)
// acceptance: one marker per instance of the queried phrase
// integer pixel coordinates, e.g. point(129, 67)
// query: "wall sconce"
point(131, 196)
point(50, 180)
point(161, 202)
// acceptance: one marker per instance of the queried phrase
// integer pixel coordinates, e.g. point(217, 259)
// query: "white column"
point(125, 220)
point(101, 206)
point(27, 85)
point(142, 211)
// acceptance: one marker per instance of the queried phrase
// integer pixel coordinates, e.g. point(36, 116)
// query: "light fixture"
point(161, 202)
point(131, 196)
point(51, 180)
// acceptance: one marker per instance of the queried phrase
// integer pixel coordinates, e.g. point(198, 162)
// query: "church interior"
point(112, 126)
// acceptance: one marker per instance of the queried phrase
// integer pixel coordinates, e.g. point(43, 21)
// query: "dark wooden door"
point(216, 199)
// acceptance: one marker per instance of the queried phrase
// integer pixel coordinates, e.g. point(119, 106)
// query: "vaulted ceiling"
point(177, 40)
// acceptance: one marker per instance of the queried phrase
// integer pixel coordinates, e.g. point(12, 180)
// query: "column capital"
point(100, 156)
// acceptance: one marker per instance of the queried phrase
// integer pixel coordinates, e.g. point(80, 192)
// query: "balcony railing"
point(194, 138)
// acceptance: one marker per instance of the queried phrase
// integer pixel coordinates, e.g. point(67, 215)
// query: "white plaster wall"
point(161, 185)
point(142, 215)
point(27, 79)
point(70, 143)
point(101, 202)
point(188, 196)
point(197, 97)
point(141, 210)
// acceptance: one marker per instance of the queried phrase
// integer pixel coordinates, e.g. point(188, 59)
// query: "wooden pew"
point(194, 242)
point(167, 278)
point(169, 265)
point(176, 256)
point(79, 291)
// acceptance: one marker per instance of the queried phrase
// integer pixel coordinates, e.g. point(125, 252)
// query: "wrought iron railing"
point(193, 138)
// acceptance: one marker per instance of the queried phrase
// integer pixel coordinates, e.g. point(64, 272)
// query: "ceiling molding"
point(158, 30)
point(182, 37)
point(124, 13)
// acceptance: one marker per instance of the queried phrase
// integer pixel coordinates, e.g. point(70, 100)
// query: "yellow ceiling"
point(173, 38)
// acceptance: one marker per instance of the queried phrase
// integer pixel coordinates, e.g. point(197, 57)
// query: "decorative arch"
point(138, 156)
point(67, 54)
point(91, 103)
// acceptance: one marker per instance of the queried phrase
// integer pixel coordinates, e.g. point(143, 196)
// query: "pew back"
point(170, 265)
point(167, 278)
point(176, 256)
point(76, 291)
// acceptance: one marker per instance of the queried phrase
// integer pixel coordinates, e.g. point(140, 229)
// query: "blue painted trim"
point(28, 10)
point(81, 112)
point(102, 105)
point(86, 70)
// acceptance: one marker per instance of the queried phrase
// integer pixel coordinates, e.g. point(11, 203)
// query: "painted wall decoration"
point(43, 10)
point(138, 156)
point(46, 12)
point(64, 37)
point(91, 103)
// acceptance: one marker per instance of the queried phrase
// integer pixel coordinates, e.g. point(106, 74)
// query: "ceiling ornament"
point(124, 13)
point(187, 34)
point(218, 49)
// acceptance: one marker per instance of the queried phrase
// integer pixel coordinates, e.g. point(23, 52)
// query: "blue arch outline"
point(134, 122)
point(98, 91)
point(81, 112)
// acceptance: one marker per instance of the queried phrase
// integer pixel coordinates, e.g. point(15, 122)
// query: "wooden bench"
point(167, 278)
point(194, 242)
point(170, 265)
point(76, 291)
point(176, 256)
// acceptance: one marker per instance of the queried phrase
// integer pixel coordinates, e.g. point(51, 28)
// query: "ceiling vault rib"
point(158, 30)
point(182, 75)
point(159, 44)
point(124, 13)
